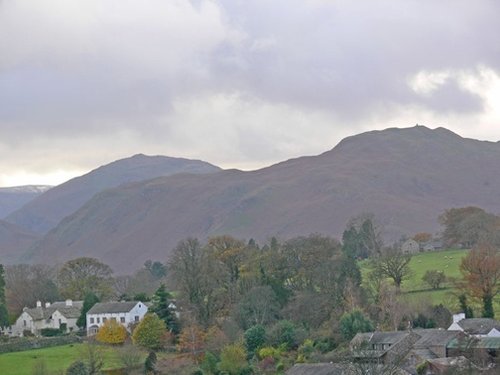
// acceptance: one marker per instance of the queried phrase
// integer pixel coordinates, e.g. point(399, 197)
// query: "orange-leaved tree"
point(481, 275)
point(111, 332)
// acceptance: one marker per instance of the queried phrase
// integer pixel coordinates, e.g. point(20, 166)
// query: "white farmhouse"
point(58, 315)
point(125, 313)
point(479, 327)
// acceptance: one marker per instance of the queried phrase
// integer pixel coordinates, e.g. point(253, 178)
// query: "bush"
point(284, 333)
point(269, 352)
point(434, 278)
point(150, 363)
point(50, 332)
point(77, 368)
point(149, 332)
point(233, 359)
point(353, 323)
point(255, 337)
point(111, 332)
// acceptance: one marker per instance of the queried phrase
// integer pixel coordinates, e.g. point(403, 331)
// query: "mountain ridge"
point(406, 177)
point(44, 213)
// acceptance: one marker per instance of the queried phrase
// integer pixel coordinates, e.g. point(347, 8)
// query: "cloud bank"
point(238, 83)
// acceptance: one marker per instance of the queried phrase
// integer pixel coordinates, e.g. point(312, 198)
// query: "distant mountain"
point(406, 177)
point(13, 198)
point(14, 241)
point(44, 213)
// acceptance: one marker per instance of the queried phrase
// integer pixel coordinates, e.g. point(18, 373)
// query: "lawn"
point(56, 359)
point(416, 290)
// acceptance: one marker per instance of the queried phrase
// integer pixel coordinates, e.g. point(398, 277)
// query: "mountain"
point(406, 177)
point(13, 198)
point(14, 241)
point(45, 212)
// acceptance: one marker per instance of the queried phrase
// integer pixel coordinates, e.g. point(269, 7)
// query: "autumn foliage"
point(481, 273)
point(150, 332)
point(111, 332)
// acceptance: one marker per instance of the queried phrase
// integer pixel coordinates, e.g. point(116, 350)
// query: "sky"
point(238, 83)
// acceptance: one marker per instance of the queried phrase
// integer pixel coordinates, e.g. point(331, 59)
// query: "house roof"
point(39, 313)
point(479, 326)
point(112, 307)
point(380, 337)
point(477, 343)
point(424, 354)
point(434, 337)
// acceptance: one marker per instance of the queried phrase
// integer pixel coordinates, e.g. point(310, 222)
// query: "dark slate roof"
point(479, 326)
point(380, 337)
point(39, 313)
point(434, 337)
point(477, 343)
point(112, 307)
point(424, 354)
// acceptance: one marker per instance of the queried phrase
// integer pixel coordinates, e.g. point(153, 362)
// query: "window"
point(104, 320)
point(98, 320)
point(24, 323)
point(60, 321)
point(91, 320)
point(122, 319)
point(136, 318)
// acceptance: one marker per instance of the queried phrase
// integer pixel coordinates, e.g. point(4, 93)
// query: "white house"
point(479, 327)
point(58, 315)
point(125, 313)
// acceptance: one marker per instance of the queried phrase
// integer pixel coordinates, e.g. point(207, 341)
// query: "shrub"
point(284, 333)
point(77, 368)
point(111, 332)
point(255, 337)
point(50, 332)
point(150, 363)
point(434, 278)
point(149, 332)
point(269, 352)
point(353, 323)
point(233, 359)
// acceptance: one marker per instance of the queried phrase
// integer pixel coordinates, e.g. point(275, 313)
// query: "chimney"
point(38, 304)
point(47, 305)
point(458, 317)
point(69, 302)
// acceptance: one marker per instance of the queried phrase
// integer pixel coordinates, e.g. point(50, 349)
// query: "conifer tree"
point(161, 307)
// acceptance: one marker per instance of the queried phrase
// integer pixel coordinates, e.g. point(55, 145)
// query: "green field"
point(416, 290)
point(56, 359)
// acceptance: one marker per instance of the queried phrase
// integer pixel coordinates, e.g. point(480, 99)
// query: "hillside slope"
point(406, 177)
point(45, 212)
point(14, 241)
point(13, 198)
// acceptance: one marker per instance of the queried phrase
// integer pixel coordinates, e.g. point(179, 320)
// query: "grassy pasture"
point(57, 359)
point(415, 289)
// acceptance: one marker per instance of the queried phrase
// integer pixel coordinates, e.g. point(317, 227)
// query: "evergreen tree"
point(89, 301)
point(150, 363)
point(161, 303)
point(4, 315)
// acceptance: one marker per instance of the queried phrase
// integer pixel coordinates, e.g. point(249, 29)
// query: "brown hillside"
point(14, 241)
point(44, 212)
point(406, 177)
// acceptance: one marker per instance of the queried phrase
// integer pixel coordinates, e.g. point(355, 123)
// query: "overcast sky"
point(238, 83)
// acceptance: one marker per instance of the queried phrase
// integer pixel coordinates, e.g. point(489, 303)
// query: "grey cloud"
point(77, 75)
